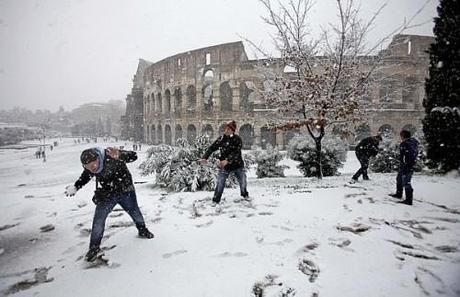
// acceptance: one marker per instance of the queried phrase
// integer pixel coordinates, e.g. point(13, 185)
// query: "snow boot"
point(396, 195)
point(145, 233)
point(409, 198)
point(93, 254)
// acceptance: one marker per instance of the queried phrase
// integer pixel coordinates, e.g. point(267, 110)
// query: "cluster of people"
point(114, 184)
point(137, 146)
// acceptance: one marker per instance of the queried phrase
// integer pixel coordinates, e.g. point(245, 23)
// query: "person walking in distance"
point(116, 187)
point(230, 161)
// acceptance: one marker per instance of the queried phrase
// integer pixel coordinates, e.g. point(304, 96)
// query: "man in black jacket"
point(366, 148)
point(116, 187)
point(408, 153)
point(230, 160)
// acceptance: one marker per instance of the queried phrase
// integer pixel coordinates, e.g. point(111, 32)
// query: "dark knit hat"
point(232, 125)
point(88, 156)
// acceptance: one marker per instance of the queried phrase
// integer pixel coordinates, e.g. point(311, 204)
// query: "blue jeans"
point(403, 182)
point(127, 201)
point(222, 177)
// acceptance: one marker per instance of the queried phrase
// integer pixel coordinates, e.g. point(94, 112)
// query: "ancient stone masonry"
point(197, 92)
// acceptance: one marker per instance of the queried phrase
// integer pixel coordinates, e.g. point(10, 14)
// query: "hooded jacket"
point(408, 152)
point(230, 150)
point(114, 175)
point(368, 147)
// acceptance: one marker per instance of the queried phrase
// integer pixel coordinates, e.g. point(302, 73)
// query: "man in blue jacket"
point(408, 152)
point(114, 185)
point(230, 160)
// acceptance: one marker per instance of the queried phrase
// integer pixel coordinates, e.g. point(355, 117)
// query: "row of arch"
point(164, 134)
point(166, 102)
point(170, 102)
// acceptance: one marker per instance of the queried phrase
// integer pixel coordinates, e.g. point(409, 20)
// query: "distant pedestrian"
point(230, 161)
point(408, 153)
point(366, 148)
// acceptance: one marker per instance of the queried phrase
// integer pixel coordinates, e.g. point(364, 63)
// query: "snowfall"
point(297, 236)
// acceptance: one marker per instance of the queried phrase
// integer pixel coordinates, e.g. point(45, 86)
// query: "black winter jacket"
point(368, 147)
point(230, 150)
point(114, 177)
point(408, 152)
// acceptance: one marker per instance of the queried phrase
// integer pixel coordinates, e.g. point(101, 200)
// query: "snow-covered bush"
point(333, 154)
point(177, 168)
point(267, 163)
point(387, 160)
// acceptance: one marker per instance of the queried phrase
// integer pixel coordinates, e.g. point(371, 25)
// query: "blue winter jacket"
point(408, 152)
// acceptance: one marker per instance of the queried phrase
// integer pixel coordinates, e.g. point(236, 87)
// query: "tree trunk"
point(318, 139)
point(319, 167)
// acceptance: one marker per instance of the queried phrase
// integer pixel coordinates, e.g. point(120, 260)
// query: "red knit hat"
point(232, 125)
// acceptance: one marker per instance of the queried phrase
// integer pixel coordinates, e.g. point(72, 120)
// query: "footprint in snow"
point(228, 254)
point(176, 253)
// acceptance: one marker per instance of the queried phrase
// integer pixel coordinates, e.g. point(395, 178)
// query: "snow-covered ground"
point(293, 238)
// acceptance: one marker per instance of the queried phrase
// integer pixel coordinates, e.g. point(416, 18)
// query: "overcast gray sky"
point(70, 52)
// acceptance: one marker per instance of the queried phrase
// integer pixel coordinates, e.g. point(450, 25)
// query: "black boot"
point(409, 197)
point(93, 253)
point(144, 232)
point(396, 195)
point(245, 195)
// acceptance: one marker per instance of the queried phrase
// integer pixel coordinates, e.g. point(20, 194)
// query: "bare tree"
point(319, 83)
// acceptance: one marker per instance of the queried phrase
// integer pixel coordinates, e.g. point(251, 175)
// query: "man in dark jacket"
point(366, 148)
point(230, 160)
point(408, 152)
point(116, 187)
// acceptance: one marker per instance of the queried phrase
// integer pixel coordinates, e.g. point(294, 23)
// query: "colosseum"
point(196, 92)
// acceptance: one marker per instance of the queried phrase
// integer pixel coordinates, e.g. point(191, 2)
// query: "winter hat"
point(88, 156)
point(232, 125)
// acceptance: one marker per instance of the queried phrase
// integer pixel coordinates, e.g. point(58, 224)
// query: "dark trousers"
point(222, 177)
point(364, 161)
point(403, 180)
point(127, 201)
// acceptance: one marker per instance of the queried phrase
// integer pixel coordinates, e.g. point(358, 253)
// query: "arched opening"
point(267, 136)
point(410, 128)
point(222, 128)
point(289, 135)
point(226, 97)
point(191, 133)
point(168, 134)
point(245, 104)
point(208, 75)
point(208, 130)
point(159, 134)
point(246, 133)
point(191, 100)
point(147, 133)
point(167, 107)
point(152, 103)
point(208, 100)
point(159, 103)
point(178, 132)
point(177, 101)
point(153, 134)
